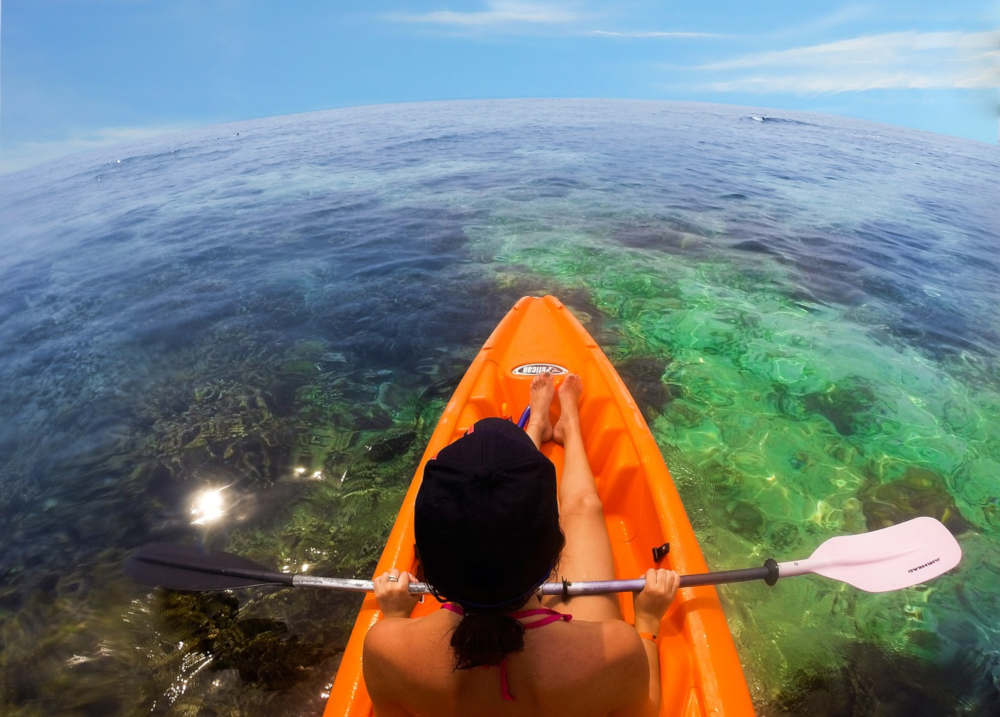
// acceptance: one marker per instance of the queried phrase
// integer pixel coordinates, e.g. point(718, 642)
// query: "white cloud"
point(897, 60)
point(498, 12)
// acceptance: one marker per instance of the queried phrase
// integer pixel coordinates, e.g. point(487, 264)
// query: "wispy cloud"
point(654, 34)
point(497, 12)
point(845, 15)
point(514, 16)
point(897, 60)
point(840, 16)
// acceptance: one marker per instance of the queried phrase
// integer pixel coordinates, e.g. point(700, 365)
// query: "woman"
point(489, 530)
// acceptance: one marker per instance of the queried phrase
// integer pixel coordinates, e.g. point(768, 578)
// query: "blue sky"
point(78, 74)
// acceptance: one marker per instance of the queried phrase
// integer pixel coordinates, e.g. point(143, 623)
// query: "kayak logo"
point(925, 565)
point(533, 369)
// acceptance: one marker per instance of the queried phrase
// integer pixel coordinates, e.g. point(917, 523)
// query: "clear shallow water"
point(803, 308)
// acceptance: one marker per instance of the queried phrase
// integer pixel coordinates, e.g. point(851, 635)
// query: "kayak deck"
point(700, 670)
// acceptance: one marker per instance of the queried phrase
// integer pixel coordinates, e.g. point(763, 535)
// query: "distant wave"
point(778, 120)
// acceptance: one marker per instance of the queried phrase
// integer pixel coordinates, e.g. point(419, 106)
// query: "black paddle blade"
point(185, 567)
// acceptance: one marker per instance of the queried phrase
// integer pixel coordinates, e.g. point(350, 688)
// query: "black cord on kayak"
point(660, 552)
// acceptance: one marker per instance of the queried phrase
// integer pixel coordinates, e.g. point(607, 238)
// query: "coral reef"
point(917, 492)
point(873, 680)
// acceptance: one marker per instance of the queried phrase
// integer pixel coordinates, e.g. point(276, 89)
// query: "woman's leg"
point(587, 555)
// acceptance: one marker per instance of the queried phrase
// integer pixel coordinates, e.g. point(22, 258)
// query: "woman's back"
point(571, 668)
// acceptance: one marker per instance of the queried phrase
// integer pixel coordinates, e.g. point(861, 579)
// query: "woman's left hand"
point(392, 591)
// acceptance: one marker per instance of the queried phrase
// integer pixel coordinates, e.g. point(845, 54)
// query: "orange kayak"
point(700, 670)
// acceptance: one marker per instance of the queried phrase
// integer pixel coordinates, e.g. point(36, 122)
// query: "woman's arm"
point(377, 668)
point(392, 592)
point(650, 606)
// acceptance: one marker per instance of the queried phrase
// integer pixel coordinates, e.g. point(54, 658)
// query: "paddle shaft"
point(594, 587)
point(886, 559)
point(590, 587)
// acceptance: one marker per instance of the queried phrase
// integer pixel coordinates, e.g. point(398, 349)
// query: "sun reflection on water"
point(208, 506)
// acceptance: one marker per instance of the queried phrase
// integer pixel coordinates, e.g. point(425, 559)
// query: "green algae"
point(785, 422)
point(314, 452)
point(224, 425)
point(918, 492)
point(869, 679)
point(644, 376)
point(261, 650)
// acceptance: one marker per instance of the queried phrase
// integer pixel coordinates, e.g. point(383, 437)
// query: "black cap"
point(486, 517)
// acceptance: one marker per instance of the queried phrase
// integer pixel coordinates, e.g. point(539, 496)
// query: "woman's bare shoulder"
point(385, 637)
point(603, 666)
point(623, 644)
point(627, 667)
point(378, 646)
point(388, 649)
point(622, 654)
point(402, 643)
point(618, 637)
point(605, 648)
point(382, 632)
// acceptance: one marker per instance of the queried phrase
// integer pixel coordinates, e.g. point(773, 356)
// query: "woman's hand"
point(393, 594)
point(655, 598)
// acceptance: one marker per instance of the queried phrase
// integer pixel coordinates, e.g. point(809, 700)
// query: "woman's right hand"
point(655, 598)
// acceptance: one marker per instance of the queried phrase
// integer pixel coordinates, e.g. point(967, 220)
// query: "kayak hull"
point(700, 669)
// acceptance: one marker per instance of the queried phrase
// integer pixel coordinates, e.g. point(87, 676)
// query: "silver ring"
point(393, 578)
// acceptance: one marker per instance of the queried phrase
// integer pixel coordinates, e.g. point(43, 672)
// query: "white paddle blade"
point(888, 559)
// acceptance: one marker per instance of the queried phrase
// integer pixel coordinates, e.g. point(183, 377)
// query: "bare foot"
point(569, 402)
point(539, 427)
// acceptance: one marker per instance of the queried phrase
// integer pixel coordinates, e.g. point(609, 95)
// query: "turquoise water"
point(277, 311)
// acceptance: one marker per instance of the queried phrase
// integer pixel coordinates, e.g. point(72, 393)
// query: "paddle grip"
point(768, 572)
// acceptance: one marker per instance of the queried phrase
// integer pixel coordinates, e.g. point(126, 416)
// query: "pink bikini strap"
point(550, 616)
point(504, 687)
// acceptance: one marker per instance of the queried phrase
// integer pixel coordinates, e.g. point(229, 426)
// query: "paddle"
point(887, 559)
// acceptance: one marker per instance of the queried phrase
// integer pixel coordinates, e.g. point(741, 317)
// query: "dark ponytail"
point(485, 637)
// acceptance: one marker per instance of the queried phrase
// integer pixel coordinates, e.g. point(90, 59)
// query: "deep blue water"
point(221, 307)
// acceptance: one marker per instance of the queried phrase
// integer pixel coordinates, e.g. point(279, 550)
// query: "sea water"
point(242, 337)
